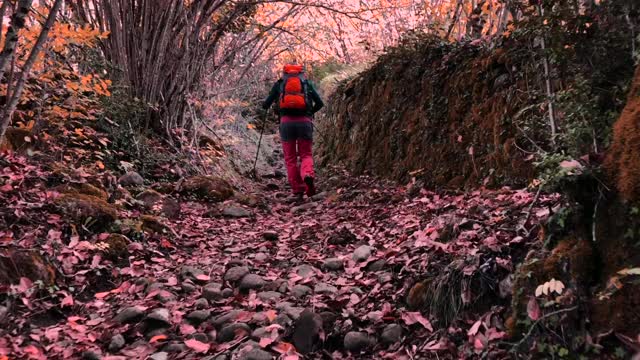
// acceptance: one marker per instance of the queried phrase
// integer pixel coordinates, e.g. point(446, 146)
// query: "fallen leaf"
point(411, 318)
point(197, 346)
point(533, 309)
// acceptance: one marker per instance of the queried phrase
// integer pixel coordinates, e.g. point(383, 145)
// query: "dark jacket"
point(312, 95)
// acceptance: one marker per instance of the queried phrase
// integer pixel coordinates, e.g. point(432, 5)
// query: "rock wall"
point(435, 111)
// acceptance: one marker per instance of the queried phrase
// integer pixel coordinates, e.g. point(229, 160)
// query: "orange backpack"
point(293, 93)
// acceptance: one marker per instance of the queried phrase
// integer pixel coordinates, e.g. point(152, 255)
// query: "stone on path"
point(235, 274)
point(377, 265)
point(162, 355)
point(117, 343)
point(236, 212)
point(362, 253)
point(302, 208)
point(256, 354)
point(229, 332)
point(129, 315)
point(201, 303)
point(198, 316)
point(356, 341)
point(269, 296)
point(131, 178)
point(391, 334)
point(226, 318)
point(306, 332)
point(149, 197)
point(160, 315)
point(324, 288)
point(305, 271)
point(333, 264)
point(252, 282)
point(212, 291)
point(300, 291)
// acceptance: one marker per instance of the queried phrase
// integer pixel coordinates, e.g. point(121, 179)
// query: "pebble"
point(391, 334)
point(225, 318)
point(300, 291)
point(129, 315)
point(333, 264)
point(261, 257)
point(324, 288)
point(302, 208)
point(198, 316)
point(201, 303)
point(90, 355)
point(357, 341)
point(252, 282)
point(188, 287)
point(202, 337)
point(259, 333)
point(212, 291)
point(385, 278)
point(160, 315)
point(236, 273)
point(175, 348)
point(305, 271)
point(283, 320)
point(377, 265)
point(269, 296)
point(117, 343)
point(227, 293)
point(236, 212)
point(162, 355)
point(190, 272)
point(362, 253)
point(256, 354)
point(228, 332)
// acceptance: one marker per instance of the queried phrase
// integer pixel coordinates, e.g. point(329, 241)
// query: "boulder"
point(131, 178)
point(81, 208)
point(356, 341)
point(16, 264)
point(207, 187)
point(82, 188)
point(149, 198)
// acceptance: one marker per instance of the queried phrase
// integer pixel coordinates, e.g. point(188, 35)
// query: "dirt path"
point(233, 282)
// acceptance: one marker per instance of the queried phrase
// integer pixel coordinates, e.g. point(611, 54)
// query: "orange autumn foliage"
point(623, 158)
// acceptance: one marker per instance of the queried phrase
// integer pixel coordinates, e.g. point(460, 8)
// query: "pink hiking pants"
point(296, 134)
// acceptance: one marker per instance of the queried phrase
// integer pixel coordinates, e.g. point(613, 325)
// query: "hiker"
point(297, 102)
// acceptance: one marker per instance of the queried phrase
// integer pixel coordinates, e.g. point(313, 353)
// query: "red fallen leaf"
point(102, 295)
point(33, 352)
point(186, 329)
point(283, 348)
point(6, 188)
point(264, 342)
point(474, 329)
point(533, 309)
point(197, 346)
point(157, 338)
point(271, 315)
point(203, 277)
point(411, 318)
point(479, 342)
point(67, 301)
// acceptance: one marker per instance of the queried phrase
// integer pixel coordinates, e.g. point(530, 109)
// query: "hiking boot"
point(311, 189)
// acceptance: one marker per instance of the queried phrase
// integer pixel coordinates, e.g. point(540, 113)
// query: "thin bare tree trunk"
point(10, 107)
point(17, 23)
point(3, 11)
point(549, 88)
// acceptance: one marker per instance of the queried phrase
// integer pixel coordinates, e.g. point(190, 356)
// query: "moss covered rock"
point(207, 187)
point(87, 209)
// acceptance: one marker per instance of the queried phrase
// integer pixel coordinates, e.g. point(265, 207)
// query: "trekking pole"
point(255, 162)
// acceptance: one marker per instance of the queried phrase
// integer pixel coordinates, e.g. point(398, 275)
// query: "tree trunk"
point(11, 105)
point(17, 23)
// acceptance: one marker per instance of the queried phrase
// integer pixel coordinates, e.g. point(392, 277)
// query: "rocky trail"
point(365, 269)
